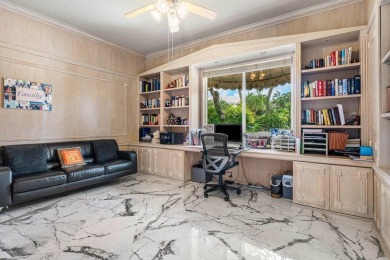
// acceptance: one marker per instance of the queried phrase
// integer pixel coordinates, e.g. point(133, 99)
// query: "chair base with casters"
point(216, 159)
point(222, 186)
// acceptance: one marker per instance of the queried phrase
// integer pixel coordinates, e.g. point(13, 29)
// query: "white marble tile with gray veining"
point(150, 217)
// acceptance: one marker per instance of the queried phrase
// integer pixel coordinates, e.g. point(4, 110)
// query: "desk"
point(325, 182)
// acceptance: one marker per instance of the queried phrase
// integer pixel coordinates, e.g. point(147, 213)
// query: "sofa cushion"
point(117, 166)
point(105, 150)
point(83, 172)
point(70, 157)
point(52, 155)
point(39, 180)
point(26, 158)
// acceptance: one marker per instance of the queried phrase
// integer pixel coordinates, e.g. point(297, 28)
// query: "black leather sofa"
point(33, 171)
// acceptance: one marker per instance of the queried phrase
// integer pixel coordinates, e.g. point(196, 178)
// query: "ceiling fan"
point(174, 9)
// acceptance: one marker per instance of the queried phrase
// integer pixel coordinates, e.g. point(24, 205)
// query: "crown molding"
point(259, 25)
point(50, 21)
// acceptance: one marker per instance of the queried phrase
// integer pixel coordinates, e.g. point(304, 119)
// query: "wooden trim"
point(13, 140)
point(270, 154)
point(331, 68)
point(61, 71)
point(49, 21)
point(227, 50)
point(259, 25)
point(332, 97)
point(64, 60)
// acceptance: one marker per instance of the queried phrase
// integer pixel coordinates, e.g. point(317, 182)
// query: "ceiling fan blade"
point(140, 11)
point(201, 11)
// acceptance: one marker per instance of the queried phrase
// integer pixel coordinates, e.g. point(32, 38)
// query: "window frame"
point(248, 67)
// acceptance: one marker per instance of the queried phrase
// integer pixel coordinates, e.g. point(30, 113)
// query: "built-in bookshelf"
point(164, 102)
point(383, 142)
point(331, 86)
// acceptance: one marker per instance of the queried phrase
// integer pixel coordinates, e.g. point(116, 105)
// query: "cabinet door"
point(145, 160)
point(385, 218)
point(377, 202)
point(311, 185)
point(174, 166)
point(158, 162)
point(351, 190)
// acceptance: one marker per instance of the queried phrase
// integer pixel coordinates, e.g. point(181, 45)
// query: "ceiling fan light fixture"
point(181, 10)
point(172, 17)
point(173, 28)
point(162, 6)
point(156, 15)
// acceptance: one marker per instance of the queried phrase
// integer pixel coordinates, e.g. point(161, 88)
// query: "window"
point(266, 94)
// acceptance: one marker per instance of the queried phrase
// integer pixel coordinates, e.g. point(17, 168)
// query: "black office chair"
point(216, 159)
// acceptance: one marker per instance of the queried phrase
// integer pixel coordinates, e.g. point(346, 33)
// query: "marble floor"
point(150, 217)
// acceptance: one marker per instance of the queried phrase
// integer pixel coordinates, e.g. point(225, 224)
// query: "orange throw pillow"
point(70, 157)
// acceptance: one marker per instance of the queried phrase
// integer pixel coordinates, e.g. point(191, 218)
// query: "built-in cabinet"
point(382, 204)
point(311, 184)
point(158, 161)
point(162, 162)
point(145, 160)
point(328, 79)
point(351, 190)
point(166, 99)
point(377, 201)
point(337, 188)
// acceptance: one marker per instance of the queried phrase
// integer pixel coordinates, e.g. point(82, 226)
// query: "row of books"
point(177, 101)
point(181, 82)
point(150, 103)
point(150, 119)
point(332, 116)
point(335, 58)
point(336, 87)
point(146, 86)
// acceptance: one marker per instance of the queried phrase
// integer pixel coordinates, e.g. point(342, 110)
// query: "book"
point(357, 158)
point(341, 114)
point(345, 87)
point(337, 115)
point(357, 84)
point(349, 59)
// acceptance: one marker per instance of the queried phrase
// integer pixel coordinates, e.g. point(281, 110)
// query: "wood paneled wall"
point(93, 83)
point(346, 16)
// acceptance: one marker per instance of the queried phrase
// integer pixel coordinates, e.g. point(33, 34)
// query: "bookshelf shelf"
point(386, 58)
point(176, 126)
point(147, 126)
point(176, 89)
point(386, 115)
point(332, 97)
point(332, 126)
point(176, 107)
point(331, 68)
point(150, 109)
point(150, 92)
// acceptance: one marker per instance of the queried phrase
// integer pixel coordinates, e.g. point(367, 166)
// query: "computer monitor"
point(233, 131)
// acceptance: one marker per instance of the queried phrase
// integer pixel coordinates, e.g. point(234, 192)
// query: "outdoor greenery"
point(262, 111)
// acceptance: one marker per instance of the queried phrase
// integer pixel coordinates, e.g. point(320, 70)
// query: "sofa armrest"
point(127, 155)
point(5, 186)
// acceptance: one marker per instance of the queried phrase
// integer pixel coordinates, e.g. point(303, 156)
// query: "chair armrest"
point(234, 154)
point(5, 186)
point(127, 155)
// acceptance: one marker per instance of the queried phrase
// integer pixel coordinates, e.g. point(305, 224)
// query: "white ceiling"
point(105, 19)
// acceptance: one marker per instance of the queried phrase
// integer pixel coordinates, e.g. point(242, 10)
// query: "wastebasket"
point(199, 175)
point(287, 182)
point(276, 186)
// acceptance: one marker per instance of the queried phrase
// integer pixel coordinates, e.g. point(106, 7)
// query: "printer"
point(171, 138)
